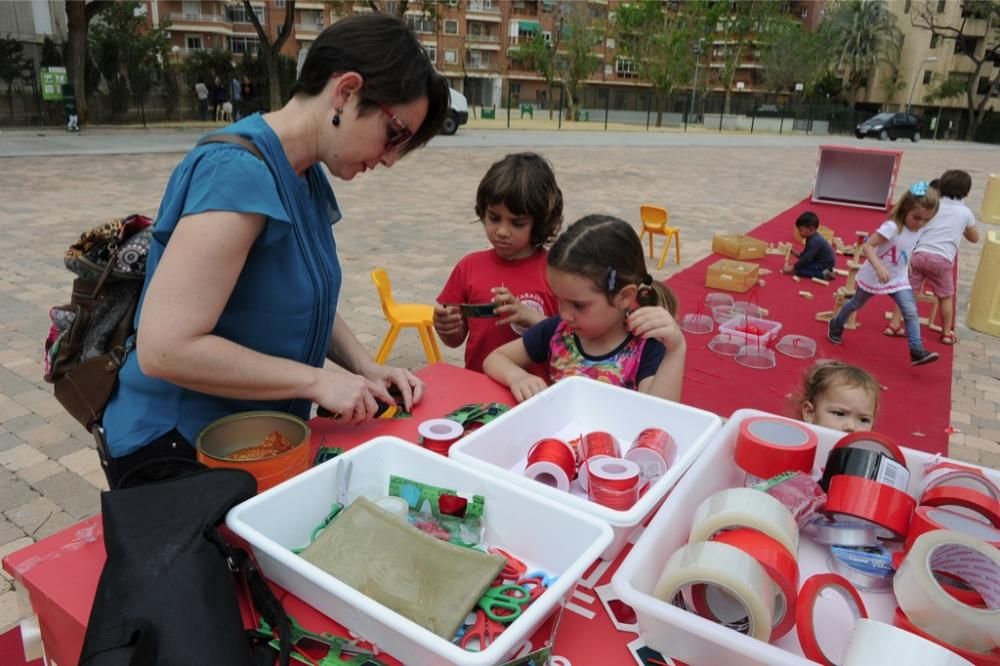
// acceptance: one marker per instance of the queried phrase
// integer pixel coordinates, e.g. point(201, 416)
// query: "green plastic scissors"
point(505, 603)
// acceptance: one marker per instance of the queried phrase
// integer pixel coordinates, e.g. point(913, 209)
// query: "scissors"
point(505, 603)
point(513, 568)
point(484, 631)
point(535, 582)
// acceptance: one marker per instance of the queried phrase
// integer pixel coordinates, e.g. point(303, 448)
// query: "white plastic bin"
point(697, 641)
point(546, 535)
point(768, 329)
point(576, 406)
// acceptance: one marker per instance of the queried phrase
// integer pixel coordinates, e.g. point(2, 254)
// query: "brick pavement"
point(417, 220)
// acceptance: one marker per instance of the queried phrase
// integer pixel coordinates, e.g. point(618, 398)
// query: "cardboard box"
point(729, 275)
point(738, 246)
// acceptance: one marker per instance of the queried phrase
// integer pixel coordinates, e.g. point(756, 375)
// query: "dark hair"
point(808, 219)
point(955, 184)
point(607, 250)
point(526, 185)
point(823, 375)
point(393, 64)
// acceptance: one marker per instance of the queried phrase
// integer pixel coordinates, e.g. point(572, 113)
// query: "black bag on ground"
point(167, 594)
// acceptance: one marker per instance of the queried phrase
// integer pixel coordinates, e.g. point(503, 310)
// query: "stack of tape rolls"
point(731, 570)
point(844, 533)
point(805, 626)
point(440, 434)
point(767, 446)
point(552, 462)
point(614, 482)
point(595, 445)
point(868, 568)
point(943, 473)
point(991, 658)
point(928, 518)
point(879, 643)
point(872, 441)
point(653, 451)
point(863, 483)
point(928, 607)
point(964, 500)
point(745, 507)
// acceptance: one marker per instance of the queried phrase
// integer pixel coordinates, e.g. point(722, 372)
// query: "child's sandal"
point(894, 331)
point(948, 338)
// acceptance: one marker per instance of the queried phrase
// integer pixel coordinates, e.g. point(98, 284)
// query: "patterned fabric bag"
point(88, 341)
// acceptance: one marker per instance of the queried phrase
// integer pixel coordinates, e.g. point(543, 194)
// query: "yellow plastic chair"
point(403, 315)
point(654, 222)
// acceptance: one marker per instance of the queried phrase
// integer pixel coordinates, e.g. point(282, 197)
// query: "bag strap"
point(261, 596)
point(234, 139)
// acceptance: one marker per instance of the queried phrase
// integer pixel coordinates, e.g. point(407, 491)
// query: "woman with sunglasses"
point(239, 310)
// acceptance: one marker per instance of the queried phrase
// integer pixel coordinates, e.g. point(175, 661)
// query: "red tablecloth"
point(60, 573)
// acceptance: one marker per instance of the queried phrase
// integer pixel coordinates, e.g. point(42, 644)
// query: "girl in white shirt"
point(888, 252)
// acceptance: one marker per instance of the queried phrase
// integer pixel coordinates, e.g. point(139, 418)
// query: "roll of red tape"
point(877, 503)
point(975, 501)
point(928, 518)
point(767, 446)
point(872, 441)
point(810, 591)
point(991, 658)
point(947, 473)
point(779, 565)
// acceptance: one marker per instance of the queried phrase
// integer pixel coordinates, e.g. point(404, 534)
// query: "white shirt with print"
point(895, 256)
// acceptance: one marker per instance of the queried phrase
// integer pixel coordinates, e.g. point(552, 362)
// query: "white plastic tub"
point(576, 406)
point(697, 641)
point(546, 535)
point(769, 329)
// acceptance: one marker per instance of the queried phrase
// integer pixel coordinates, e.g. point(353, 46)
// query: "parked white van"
point(458, 114)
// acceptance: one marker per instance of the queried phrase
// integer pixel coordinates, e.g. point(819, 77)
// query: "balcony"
point(184, 17)
point(481, 65)
point(482, 7)
point(308, 29)
point(486, 39)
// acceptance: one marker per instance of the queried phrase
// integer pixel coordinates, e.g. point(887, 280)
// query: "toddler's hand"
point(448, 321)
point(527, 386)
point(509, 308)
point(654, 322)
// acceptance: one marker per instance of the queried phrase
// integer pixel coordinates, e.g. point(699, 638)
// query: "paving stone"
point(29, 517)
point(20, 457)
point(13, 491)
point(81, 462)
point(11, 547)
point(44, 435)
point(39, 471)
point(9, 611)
point(78, 497)
point(9, 531)
point(63, 448)
point(57, 522)
point(960, 417)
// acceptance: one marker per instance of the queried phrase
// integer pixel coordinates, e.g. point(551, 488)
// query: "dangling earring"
point(336, 115)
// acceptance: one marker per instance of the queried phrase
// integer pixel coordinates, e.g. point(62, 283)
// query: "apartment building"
point(31, 22)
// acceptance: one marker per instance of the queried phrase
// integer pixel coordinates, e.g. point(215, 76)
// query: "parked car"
point(890, 126)
point(458, 114)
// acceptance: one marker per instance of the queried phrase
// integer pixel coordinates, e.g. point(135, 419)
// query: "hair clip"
point(612, 279)
point(919, 188)
point(647, 279)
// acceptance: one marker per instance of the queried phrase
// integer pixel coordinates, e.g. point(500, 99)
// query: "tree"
point(12, 65)
point(79, 14)
point(128, 54)
point(743, 24)
point(793, 55)
point(540, 56)
point(574, 58)
point(660, 45)
point(860, 31)
point(269, 50)
point(974, 14)
point(891, 80)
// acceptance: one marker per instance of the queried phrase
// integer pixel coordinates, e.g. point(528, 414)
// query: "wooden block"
point(764, 271)
point(842, 272)
point(796, 278)
point(806, 295)
point(761, 282)
point(825, 283)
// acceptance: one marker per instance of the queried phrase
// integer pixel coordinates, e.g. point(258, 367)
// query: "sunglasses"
point(399, 133)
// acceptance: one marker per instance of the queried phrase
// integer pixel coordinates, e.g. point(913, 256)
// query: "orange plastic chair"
point(403, 315)
point(654, 222)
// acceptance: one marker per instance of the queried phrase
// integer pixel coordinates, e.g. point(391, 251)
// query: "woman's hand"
point(511, 310)
point(654, 322)
point(526, 386)
point(411, 388)
point(347, 395)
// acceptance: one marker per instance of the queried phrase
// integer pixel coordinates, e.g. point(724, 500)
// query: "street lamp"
point(917, 76)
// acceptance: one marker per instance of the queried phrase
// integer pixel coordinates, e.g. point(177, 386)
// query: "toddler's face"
point(842, 407)
point(509, 234)
point(917, 218)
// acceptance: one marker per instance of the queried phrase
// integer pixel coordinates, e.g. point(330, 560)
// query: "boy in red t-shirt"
point(520, 206)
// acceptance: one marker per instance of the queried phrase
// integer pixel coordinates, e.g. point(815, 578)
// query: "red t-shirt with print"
point(471, 281)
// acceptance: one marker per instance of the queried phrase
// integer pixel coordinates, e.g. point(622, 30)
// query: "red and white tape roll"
point(552, 462)
point(653, 451)
point(779, 565)
point(950, 583)
point(767, 446)
point(972, 500)
point(930, 518)
point(614, 482)
point(595, 445)
point(877, 503)
point(810, 592)
point(945, 473)
point(991, 658)
point(926, 605)
point(440, 434)
point(872, 441)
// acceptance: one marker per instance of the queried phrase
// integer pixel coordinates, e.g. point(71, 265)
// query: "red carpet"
point(11, 650)
point(915, 404)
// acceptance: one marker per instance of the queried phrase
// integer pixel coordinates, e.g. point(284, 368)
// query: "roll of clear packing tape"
point(394, 506)
point(929, 607)
point(745, 507)
point(876, 643)
point(731, 570)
